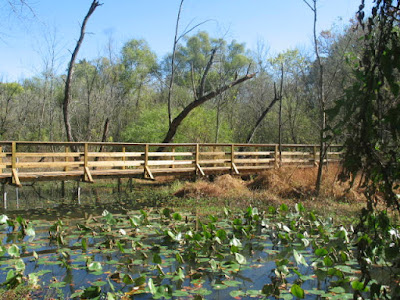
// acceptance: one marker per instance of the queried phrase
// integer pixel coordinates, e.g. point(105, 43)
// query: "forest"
point(138, 94)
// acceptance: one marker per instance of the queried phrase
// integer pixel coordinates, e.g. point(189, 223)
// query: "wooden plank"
point(164, 154)
point(253, 160)
point(57, 164)
point(288, 160)
point(49, 154)
point(218, 153)
point(115, 154)
point(169, 162)
point(130, 163)
point(297, 153)
point(260, 153)
point(214, 161)
point(15, 178)
point(265, 167)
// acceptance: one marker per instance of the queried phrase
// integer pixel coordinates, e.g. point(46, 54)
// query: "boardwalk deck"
point(46, 161)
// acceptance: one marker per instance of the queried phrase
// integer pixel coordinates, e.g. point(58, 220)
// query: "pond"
point(159, 253)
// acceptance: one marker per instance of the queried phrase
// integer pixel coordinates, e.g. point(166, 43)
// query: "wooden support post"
point(65, 170)
point(1, 159)
point(147, 172)
point(17, 196)
point(4, 193)
point(123, 157)
point(78, 191)
point(66, 157)
point(15, 178)
point(234, 169)
point(276, 156)
point(198, 168)
point(130, 185)
point(87, 175)
point(315, 156)
point(119, 182)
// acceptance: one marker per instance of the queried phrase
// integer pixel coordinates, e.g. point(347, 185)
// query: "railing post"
point(14, 178)
point(173, 157)
point(234, 169)
point(14, 155)
point(87, 175)
point(315, 156)
point(123, 157)
point(66, 157)
point(197, 167)
point(276, 154)
point(85, 155)
point(147, 172)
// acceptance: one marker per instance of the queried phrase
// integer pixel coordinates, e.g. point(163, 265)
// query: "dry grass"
point(286, 185)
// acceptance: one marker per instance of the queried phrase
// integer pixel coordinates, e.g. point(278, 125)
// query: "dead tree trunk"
point(321, 100)
point(67, 91)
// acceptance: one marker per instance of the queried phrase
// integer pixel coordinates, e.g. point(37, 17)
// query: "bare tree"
point(320, 97)
point(176, 41)
point(67, 91)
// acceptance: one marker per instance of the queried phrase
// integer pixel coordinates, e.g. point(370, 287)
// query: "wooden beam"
point(88, 176)
point(235, 169)
point(199, 169)
point(148, 172)
point(15, 178)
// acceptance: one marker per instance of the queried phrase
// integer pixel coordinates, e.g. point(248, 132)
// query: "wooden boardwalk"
point(45, 161)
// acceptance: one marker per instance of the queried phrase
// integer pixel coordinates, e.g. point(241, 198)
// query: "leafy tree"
point(371, 107)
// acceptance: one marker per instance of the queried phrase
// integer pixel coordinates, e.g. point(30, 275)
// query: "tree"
point(371, 107)
point(67, 92)
point(320, 97)
point(207, 68)
point(9, 93)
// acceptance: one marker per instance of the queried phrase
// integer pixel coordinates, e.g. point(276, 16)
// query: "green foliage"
point(152, 125)
point(370, 109)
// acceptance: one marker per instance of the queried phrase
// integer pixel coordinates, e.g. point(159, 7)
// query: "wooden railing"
point(31, 161)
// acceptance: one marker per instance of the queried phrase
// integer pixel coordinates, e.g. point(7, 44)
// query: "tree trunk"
point(185, 112)
point(67, 91)
point(321, 100)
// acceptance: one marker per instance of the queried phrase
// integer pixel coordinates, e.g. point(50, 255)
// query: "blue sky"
point(25, 40)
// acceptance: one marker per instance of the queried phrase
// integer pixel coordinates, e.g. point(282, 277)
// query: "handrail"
point(143, 160)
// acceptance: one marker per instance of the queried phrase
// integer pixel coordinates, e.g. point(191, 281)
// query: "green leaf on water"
point(151, 287)
point(13, 251)
point(299, 258)
point(99, 283)
point(321, 252)
point(157, 258)
point(127, 279)
point(58, 284)
point(94, 266)
point(235, 294)
point(240, 258)
point(297, 291)
point(357, 285)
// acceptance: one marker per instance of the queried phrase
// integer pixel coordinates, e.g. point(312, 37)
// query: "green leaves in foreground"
point(297, 291)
